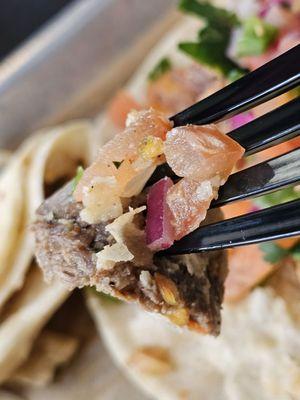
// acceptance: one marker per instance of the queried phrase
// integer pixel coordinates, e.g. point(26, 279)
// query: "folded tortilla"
point(24, 319)
point(50, 351)
point(26, 302)
point(258, 344)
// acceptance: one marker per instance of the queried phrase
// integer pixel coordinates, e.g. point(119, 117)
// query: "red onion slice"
point(159, 231)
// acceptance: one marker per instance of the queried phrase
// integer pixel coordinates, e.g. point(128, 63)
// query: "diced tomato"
point(124, 147)
point(204, 157)
point(179, 88)
point(247, 269)
point(278, 150)
point(120, 106)
point(131, 180)
point(189, 201)
point(201, 152)
point(237, 208)
point(287, 243)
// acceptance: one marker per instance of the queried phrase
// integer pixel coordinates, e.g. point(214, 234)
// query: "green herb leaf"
point(256, 37)
point(160, 69)
point(272, 252)
point(108, 298)
point(103, 296)
point(77, 178)
point(214, 16)
point(213, 39)
point(235, 74)
point(117, 164)
point(295, 251)
point(279, 197)
point(202, 52)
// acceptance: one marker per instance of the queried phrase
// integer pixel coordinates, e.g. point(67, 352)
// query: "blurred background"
point(19, 19)
point(63, 59)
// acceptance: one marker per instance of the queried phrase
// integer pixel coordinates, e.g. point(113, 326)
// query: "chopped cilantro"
point(256, 37)
point(161, 68)
point(296, 251)
point(279, 197)
point(117, 164)
point(108, 298)
point(103, 296)
point(202, 51)
point(272, 252)
point(77, 178)
point(235, 74)
point(212, 15)
point(213, 40)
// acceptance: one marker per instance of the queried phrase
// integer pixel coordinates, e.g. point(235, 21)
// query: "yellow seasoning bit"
point(168, 289)
point(151, 147)
point(179, 317)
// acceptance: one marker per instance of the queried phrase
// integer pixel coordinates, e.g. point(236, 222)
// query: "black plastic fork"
point(272, 79)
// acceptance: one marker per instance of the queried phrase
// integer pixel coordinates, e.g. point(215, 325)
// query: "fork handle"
point(270, 80)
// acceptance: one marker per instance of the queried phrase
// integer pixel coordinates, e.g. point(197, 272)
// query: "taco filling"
point(105, 227)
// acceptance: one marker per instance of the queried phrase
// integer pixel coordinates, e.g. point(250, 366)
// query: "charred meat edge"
point(66, 250)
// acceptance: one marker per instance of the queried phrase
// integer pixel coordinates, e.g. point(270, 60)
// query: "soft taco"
point(105, 231)
point(257, 354)
point(98, 233)
point(27, 304)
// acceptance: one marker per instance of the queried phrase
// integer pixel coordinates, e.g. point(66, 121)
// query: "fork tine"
point(275, 127)
point(263, 178)
point(270, 80)
point(272, 223)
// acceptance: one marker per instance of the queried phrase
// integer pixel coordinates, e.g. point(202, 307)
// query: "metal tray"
point(72, 66)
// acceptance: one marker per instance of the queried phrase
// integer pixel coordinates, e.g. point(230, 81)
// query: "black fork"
point(272, 79)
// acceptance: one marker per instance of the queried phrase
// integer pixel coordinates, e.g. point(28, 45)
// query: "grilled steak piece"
point(66, 245)
point(187, 289)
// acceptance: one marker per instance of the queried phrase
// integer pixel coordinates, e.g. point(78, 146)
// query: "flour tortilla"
point(46, 157)
point(4, 395)
point(12, 209)
point(91, 375)
point(257, 355)
point(24, 319)
point(11, 201)
point(50, 351)
point(58, 157)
